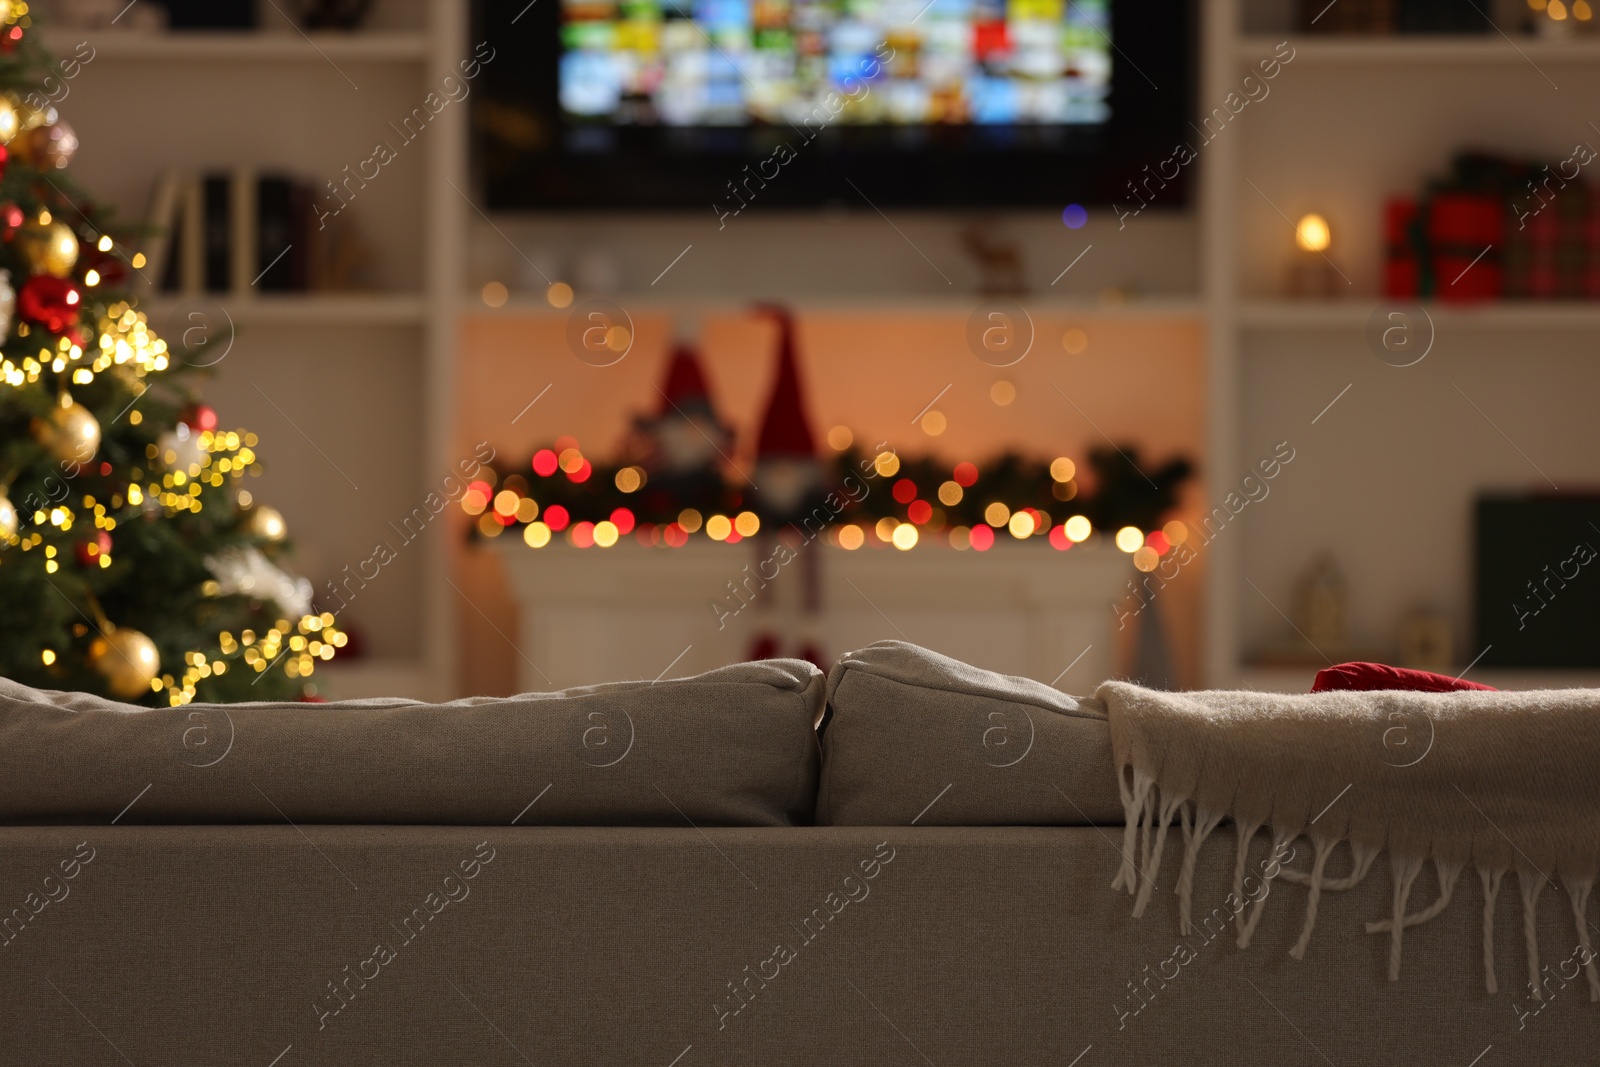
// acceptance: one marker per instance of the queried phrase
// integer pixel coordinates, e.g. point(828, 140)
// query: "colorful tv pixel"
point(706, 63)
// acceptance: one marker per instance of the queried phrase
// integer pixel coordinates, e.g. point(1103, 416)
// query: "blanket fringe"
point(1135, 797)
point(1491, 890)
point(1149, 815)
point(1205, 821)
point(1579, 890)
point(1324, 847)
point(1153, 860)
point(1531, 889)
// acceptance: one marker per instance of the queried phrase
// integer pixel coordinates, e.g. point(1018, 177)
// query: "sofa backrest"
point(732, 747)
point(913, 736)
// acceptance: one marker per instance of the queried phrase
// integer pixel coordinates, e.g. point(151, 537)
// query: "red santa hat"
point(785, 428)
point(685, 389)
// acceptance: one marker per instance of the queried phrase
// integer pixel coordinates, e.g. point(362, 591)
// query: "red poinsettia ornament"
point(51, 302)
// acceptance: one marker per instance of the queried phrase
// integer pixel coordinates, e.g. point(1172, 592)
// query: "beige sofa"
point(695, 923)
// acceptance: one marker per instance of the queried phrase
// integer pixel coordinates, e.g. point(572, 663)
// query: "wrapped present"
point(1465, 233)
point(1401, 248)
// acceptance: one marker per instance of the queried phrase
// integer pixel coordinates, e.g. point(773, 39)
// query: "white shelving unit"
point(1389, 459)
point(350, 392)
point(359, 389)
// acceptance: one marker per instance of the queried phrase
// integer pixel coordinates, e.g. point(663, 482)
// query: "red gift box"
point(1465, 232)
point(1400, 265)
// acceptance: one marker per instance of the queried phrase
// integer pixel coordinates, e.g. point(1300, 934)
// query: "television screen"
point(620, 104)
point(731, 63)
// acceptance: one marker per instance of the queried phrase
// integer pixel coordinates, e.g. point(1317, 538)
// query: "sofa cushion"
point(731, 747)
point(918, 737)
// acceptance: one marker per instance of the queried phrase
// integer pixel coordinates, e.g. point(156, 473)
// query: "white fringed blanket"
point(1500, 781)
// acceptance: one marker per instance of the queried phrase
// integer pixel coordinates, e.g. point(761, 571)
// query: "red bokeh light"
point(556, 517)
point(583, 535)
point(1059, 538)
point(905, 491)
point(982, 537)
point(965, 474)
point(675, 535)
point(919, 512)
point(583, 472)
point(544, 463)
point(1158, 541)
point(622, 518)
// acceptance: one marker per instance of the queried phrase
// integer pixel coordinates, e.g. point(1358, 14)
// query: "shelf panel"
point(1485, 48)
point(200, 46)
point(1178, 307)
point(1353, 314)
point(333, 309)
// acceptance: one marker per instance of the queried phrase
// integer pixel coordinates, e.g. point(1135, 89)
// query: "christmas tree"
point(133, 561)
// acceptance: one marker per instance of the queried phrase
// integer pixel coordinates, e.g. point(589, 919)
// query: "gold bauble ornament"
point(127, 660)
point(70, 432)
point(266, 523)
point(8, 518)
point(48, 246)
point(48, 147)
point(10, 120)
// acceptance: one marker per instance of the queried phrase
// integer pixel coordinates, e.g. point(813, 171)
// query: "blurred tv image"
point(893, 62)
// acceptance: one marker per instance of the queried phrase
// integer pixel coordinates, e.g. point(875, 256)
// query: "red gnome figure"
point(789, 488)
point(684, 444)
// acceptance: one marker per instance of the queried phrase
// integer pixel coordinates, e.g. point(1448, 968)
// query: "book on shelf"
point(243, 232)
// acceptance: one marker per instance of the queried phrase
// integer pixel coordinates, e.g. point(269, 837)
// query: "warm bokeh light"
point(961, 538)
point(505, 502)
point(851, 537)
point(605, 534)
point(934, 423)
point(1078, 528)
point(997, 514)
point(473, 501)
point(949, 494)
point(495, 295)
point(582, 535)
point(905, 537)
point(1177, 531)
point(1145, 558)
point(747, 523)
point(718, 527)
point(887, 464)
point(1130, 538)
point(1063, 469)
point(1021, 525)
point(1311, 232)
point(527, 509)
point(628, 479)
point(1003, 393)
point(1075, 341)
point(689, 519)
point(559, 295)
point(840, 438)
point(885, 529)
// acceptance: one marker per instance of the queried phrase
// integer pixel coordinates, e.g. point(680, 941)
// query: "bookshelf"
point(374, 380)
point(349, 391)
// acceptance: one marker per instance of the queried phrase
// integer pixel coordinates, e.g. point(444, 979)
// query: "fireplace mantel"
point(595, 615)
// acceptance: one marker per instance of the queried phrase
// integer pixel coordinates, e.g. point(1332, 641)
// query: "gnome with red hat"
point(789, 477)
point(683, 445)
point(789, 486)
